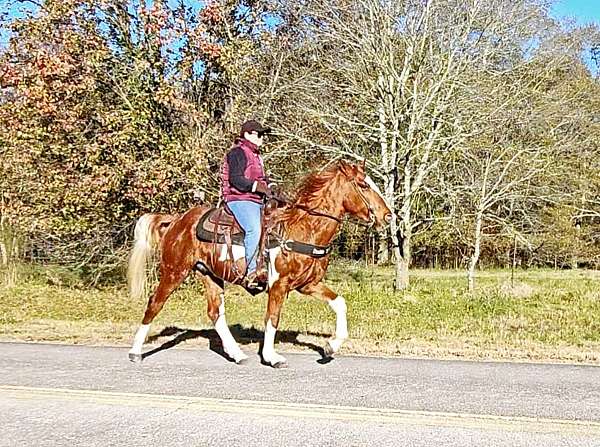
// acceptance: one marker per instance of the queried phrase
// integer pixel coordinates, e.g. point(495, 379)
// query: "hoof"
point(243, 361)
point(280, 365)
point(328, 351)
point(135, 358)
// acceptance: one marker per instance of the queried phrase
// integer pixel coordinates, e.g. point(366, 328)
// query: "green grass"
point(545, 315)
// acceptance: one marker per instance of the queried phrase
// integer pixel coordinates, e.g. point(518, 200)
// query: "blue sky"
point(584, 11)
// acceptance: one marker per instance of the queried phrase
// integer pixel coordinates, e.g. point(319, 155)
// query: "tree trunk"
point(575, 255)
point(402, 265)
point(476, 252)
point(3, 236)
point(3, 254)
point(389, 158)
point(383, 252)
point(402, 251)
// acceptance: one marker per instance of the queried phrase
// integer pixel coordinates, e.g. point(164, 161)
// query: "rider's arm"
point(236, 159)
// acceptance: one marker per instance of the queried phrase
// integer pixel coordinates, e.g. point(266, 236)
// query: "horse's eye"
point(362, 184)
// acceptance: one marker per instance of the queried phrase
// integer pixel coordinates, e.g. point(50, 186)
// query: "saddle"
point(218, 225)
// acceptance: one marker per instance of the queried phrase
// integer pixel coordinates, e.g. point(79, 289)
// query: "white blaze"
point(375, 188)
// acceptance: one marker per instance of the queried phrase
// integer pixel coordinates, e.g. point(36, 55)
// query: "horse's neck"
point(313, 228)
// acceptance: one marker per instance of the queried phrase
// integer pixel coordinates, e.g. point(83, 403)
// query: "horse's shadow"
point(243, 336)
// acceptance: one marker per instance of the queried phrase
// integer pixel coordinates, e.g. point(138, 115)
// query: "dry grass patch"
point(545, 317)
point(518, 290)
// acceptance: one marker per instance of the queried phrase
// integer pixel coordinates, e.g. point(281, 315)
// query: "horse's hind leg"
point(169, 281)
point(215, 298)
point(338, 305)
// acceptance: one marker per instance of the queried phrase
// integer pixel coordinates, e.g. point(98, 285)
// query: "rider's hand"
point(263, 188)
point(279, 196)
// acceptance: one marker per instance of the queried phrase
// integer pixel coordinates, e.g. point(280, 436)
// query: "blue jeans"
point(248, 215)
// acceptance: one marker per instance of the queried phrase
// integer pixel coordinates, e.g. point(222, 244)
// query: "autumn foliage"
point(105, 114)
point(112, 108)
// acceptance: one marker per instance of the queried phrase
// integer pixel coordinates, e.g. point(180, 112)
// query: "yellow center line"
point(319, 411)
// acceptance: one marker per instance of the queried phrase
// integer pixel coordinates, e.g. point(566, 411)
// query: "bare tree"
point(389, 83)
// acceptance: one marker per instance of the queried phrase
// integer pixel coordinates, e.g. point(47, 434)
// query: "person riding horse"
point(308, 225)
point(244, 187)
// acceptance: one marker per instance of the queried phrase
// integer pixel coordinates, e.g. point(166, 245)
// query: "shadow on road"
point(243, 336)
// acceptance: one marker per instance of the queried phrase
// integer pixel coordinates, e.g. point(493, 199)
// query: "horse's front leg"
point(338, 304)
point(277, 294)
point(215, 297)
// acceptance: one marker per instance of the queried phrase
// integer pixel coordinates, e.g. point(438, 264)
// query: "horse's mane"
point(309, 193)
point(311, 186)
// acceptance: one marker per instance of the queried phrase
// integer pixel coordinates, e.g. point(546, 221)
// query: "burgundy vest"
point(254, 171)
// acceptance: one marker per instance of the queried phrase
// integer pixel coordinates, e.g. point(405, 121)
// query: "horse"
point(308, 222)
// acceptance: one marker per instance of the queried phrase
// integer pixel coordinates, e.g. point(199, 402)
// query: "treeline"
point(480, 121)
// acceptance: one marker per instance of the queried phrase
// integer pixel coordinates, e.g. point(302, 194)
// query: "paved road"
point(54, 395)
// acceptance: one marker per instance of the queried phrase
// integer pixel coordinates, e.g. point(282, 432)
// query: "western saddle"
point(219, 226)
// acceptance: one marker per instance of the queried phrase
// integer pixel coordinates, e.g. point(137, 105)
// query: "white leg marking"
point(269, 354)
point(238, 253)
point(341, 324)
point(230, 346)
point(273, 273)
point(140, 338)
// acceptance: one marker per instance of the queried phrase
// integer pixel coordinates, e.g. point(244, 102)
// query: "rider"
point(244, 186)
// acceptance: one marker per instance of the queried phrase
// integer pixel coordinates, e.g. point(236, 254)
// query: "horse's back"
point(188, 220)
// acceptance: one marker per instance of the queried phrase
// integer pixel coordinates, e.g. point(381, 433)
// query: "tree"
point(391, 74)
point(111, 108)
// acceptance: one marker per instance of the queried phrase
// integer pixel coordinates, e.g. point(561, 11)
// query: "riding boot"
point(257, 279)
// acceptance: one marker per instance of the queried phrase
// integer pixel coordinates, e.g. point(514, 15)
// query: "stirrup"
point(256, 280)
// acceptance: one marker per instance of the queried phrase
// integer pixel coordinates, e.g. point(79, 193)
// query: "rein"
point(314, 212)
point(314, 250)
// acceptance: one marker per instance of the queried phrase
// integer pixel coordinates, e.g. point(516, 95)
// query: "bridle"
point(322, 251)
point(358, 185)
point(370, 211)
point(314, 212)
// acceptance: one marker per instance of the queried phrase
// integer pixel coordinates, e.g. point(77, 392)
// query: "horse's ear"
point(362, 167)
point(347, 169)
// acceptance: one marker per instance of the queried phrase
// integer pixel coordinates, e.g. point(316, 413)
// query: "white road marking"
point(326, 412)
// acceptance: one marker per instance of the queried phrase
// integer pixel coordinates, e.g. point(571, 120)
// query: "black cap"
point(254, 126)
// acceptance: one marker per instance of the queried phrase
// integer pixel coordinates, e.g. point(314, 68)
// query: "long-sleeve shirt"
point(237, 166)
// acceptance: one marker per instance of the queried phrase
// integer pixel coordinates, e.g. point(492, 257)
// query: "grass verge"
point(544, 315)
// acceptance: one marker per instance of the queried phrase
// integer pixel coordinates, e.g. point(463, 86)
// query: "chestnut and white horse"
point(312, 219)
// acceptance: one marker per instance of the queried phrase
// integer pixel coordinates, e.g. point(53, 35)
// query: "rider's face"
point(254, 137)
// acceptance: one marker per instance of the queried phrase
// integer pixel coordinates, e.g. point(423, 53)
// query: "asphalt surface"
point(56, 395)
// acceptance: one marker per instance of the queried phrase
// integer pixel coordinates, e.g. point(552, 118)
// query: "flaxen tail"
point(147, 236)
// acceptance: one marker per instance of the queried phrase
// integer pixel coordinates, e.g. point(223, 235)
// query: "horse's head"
point(362, 197)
